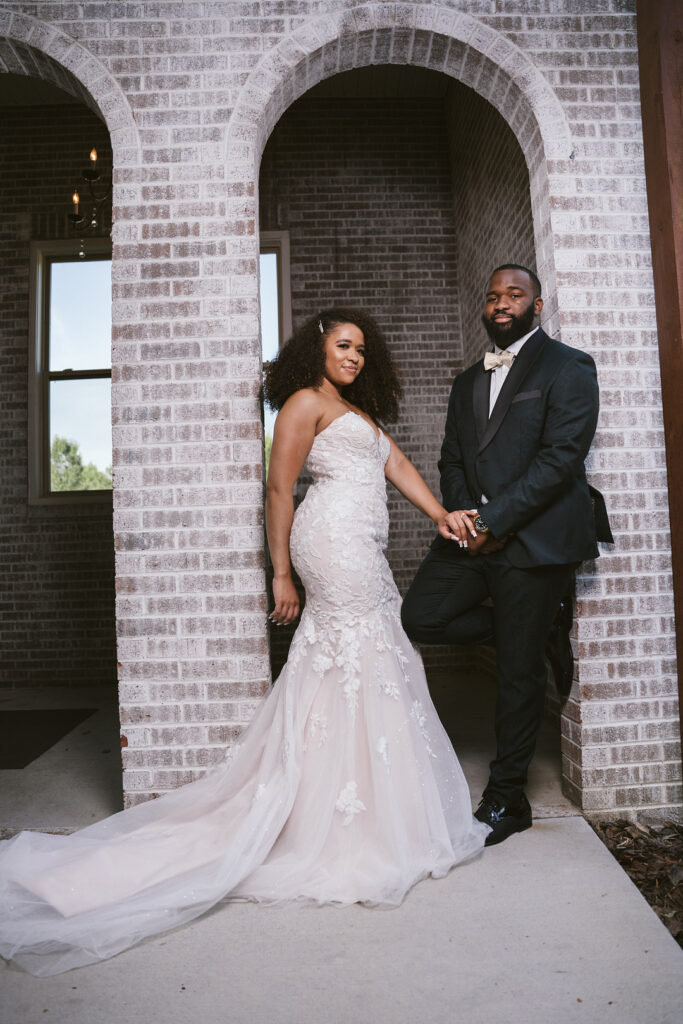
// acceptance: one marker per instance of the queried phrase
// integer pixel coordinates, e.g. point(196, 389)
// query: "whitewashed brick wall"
point(190, 101)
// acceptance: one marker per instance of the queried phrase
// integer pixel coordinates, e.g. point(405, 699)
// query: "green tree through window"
point(67, 472)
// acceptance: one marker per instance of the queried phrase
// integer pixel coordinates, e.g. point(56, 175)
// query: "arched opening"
point(400, 188)
point(61, 763)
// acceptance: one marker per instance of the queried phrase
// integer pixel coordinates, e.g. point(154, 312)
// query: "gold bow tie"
point(495, 359)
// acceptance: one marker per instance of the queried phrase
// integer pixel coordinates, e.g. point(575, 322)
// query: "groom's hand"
point(484, 544)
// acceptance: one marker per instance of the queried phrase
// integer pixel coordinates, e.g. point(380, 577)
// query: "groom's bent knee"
point(413, 617)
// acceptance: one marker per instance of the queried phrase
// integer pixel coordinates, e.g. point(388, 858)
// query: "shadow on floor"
point(465, 702)
point(75, 782)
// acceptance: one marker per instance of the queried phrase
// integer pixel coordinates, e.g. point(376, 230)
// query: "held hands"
point(286, 601)
point(459, 526)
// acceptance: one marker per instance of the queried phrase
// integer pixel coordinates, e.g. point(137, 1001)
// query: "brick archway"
point(455, 45)
point(428, 36)
point(424, 35)
point(31, 47)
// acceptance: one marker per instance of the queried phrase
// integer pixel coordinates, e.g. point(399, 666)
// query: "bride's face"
point(344, 350)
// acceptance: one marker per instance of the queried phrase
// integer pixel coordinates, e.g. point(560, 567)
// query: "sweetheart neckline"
point(350, 412)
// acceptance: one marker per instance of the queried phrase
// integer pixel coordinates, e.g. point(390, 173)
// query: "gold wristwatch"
point(479, 525)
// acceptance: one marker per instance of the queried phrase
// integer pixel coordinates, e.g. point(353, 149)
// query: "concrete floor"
point(543, 928)
point(75, 782)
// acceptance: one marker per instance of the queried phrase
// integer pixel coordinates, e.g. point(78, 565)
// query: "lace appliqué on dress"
point(417, 712)
point(348, 802)
point(317, 730)
point(383, 750)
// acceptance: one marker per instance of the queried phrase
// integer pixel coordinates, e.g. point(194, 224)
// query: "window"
point(276, 308)
point(70, 451)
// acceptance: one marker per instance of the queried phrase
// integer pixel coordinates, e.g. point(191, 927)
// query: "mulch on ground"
point(653, 859)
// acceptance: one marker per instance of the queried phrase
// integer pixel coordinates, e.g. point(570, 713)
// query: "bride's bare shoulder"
point(303, 400)
point(302, 410)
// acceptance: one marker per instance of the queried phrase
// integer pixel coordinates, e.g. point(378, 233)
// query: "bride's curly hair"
point(300, 363)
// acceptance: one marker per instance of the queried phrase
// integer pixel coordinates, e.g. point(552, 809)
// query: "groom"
point(519, 426)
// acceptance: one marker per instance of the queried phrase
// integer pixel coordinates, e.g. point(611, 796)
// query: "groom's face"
point(511, 307)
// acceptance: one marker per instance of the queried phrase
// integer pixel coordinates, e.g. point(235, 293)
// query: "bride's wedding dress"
point(344, 788)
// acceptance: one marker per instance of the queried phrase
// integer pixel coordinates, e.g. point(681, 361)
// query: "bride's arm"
point(406, 479)
point(292, 439)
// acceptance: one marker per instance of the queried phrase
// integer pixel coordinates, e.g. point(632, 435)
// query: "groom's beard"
point(504, 334)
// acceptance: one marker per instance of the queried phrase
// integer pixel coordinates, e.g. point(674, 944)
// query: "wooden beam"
point(660, 55)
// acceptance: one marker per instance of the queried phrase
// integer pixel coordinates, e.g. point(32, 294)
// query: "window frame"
point(277, 242)
point(42, 255)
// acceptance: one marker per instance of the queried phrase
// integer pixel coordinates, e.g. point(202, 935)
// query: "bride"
point(345, 787)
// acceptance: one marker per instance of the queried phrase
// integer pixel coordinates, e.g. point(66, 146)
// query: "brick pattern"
point(56, 564)
point(495, 229)
point(190, 96)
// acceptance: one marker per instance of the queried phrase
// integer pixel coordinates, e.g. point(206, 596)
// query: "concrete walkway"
point(544, 928)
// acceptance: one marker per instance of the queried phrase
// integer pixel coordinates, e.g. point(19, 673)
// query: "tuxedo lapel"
point(518, 371)
point(480, 400)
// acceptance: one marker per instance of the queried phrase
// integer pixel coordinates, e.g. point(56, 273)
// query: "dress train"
point(344, 788)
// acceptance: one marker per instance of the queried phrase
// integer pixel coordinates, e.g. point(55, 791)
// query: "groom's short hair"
point(529, 273)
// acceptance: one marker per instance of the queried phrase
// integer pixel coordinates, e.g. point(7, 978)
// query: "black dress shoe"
point(504, 820)
point(558, 649)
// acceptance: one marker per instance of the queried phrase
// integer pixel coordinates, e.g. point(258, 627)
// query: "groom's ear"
point(538, 305)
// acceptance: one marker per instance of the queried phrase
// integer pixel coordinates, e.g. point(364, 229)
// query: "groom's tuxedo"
point(522, 466)
point(528, 457)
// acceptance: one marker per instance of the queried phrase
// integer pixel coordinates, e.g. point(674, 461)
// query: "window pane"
point(270, 331)
point(270, 318)
point(80, 315)
point(80, 435)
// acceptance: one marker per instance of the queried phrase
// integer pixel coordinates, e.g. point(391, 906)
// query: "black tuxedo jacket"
point(528, 457)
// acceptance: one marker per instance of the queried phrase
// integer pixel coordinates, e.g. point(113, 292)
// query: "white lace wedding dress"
point(345, 787)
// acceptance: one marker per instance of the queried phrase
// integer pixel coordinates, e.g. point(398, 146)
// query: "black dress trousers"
point(444, 606)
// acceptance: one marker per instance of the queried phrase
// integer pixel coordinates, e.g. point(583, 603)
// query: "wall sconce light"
point(86, 221)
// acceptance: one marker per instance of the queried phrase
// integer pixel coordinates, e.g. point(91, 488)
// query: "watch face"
point(480, 525)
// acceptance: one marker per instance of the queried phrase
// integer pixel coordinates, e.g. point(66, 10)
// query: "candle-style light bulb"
point(75, 199)
point(93, 155)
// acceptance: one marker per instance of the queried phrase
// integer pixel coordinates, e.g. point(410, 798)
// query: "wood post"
point(660, 54)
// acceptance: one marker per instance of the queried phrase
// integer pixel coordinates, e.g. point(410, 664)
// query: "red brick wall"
point(56, 564)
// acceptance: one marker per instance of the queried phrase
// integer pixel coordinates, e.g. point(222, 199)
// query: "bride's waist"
point(332, 501)
point(361, 488)
point(340, 495)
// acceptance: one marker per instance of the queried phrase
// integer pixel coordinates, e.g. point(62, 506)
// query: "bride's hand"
point(286, 601)
point(458, 525)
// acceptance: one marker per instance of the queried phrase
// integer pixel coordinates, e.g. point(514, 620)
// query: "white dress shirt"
point(500, 373)
point(498, 377)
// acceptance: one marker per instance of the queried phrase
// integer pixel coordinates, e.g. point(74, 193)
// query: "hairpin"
point(320, 325)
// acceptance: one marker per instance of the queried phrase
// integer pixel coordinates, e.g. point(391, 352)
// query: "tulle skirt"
point(345, 788)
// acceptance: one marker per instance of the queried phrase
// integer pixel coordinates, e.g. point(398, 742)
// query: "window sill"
point(95, 500)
